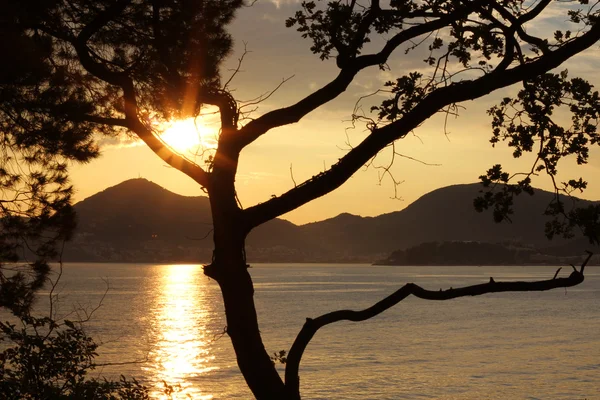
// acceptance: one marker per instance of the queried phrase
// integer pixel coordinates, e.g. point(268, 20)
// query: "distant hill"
point(445, 214)
point(138, 220)
point(137, 216)
point(137, 209)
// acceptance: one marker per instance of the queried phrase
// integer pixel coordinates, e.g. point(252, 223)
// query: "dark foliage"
point(43, 359)
point(469, 43)
point(528, 124)
point(54, 108)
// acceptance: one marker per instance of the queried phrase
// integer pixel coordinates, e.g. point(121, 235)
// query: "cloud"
point(118, 142)
point(272, 18)
point(279, 3)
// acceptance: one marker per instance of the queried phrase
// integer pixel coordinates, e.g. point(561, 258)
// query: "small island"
point(467, 253)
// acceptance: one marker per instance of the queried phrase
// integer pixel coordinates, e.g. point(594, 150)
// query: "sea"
point(164, 323)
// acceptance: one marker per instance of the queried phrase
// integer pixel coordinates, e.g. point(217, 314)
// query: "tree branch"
point(99, 120)
point(292, 114)
point(169, 156)
point(228, 108)
point(340, 172)
point(517, 23)
point(123, 81)
point(83, 52)
point(103, 18)
point(360, 34)
point(534, 12)
point(311, 326)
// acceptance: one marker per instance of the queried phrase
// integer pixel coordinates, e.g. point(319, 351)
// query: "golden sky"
point(461, 153)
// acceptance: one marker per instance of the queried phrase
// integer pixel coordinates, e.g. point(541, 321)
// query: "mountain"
point(445, 214)
point(135, 217)
point(138, 220)
point(137, 209)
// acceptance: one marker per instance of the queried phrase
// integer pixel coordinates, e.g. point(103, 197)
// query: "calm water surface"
point(169, 320)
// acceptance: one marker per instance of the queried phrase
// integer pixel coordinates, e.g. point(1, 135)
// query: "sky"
point(453, 153)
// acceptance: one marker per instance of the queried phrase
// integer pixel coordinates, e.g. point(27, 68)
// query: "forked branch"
point(294, 113)
point(381, 137)
point(310, 328)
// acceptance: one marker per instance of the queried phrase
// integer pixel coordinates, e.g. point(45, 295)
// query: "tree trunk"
point(242, 326)
point(230, 270)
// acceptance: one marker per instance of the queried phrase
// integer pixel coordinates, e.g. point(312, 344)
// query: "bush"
point(42, 359)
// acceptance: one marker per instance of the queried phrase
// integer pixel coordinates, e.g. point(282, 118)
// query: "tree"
point(35, 205)
point(130, 63)
point(52, 108)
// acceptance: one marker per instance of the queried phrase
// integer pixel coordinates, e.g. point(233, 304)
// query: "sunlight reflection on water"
point(170, 319)
point(181, 350)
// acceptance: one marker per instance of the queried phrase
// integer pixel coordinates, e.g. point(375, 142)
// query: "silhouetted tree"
point(35, 204)
point(53, 105)
point(119, 64)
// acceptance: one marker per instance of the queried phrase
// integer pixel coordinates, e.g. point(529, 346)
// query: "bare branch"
point(265, 96)
point(201, 238)
point(292, 176)
point(418, 160)
point(311, 326)
point(557, 271)
point(288, 115)
point(237, 69)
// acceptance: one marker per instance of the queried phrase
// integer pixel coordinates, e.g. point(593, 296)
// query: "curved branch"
point(169, 156)
point(340, 172)
point(517, 23)
point(310, 328)
point(159, 148)
point(102, 19)
point(292, 114)
point(83, 51)
point(534, 12)
point(227, 105)
point(126, 84)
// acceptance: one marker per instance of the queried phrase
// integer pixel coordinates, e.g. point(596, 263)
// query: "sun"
point(189, 135)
